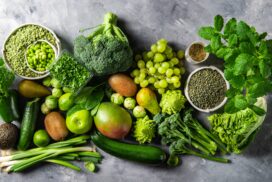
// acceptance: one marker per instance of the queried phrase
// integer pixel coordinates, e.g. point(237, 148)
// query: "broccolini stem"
point(217, 159)
point(110, 18)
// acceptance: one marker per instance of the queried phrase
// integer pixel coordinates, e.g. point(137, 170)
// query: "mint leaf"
point(260, 89)
point(220, 53)
point(250, 99)
point(253, 37)
point(262, 35)
point(242, 30)
point(215, 43)
point(206, 32)
point(208, 48)
point(230, 106)
point(237, 82)
point(1, 62)
point(218, 22)
point(242, 63)
point(230, 27)
point(232, 40)
point(246, 47)
point(265, 69)
point(240, 102)
point(263, 48)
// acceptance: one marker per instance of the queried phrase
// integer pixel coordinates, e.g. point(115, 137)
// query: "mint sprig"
point(247, 59)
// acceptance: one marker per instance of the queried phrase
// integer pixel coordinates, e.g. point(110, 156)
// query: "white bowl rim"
point(187, 84)
point(13, 31)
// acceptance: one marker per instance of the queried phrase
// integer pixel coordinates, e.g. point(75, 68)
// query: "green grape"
point(161, 90)
point(154, 48)
point(137, 80)
point(144, 83)
point(150, 54)
point(152, 70)
point(135, 73)
point(169, 72)
point(161, 70)
point(165, 65)
point(163, 84)
point(157, 65)
point(180, 54)
point(157, 84)
point(149, 64)
point(144, 54)
point(151, 80)
point(138, 57)
point(142, 76)
point(168, 50)
point(175, 61)
point(171, 65)
point(162, 41)
point(161, 47)
point(143, 70)
point(176, 71)
point(158, 58)
point(174, 79)
point(177, 84)
point(141, 64)
point(182, 70)
point(169, 80)
point(169, 55)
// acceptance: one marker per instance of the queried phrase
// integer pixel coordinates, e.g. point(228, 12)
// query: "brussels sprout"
point(66, 90)
point(139, 112)
point(51, 102)
point(55, 83)
point(47, 81)
point(129, 103)
point(116, 98)
point(44, 109)
point(56, 92)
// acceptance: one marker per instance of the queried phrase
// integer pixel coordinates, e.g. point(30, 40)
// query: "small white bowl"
point(41, 40)
point(58, 48)
point(190, 59)
point(187, 85)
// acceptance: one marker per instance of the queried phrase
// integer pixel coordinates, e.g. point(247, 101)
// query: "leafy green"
point(6, 79)
point(237, 130)
point(106, 50)
point(248, 60)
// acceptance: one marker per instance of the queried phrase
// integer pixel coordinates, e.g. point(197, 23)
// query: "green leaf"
point(1, 62)
point(260, 89)
point(232, 40)
point(206, 32)
point(74, 109)
point(208, 48)
point(220, 53)
point(246, 47)
point(231, 55)
point(94, 110)
point(231, 92)
point(230, 106)
point(228, 73)
point(230, 27)
point(259, 111)
point(265, 69)
point(218, 22)
point(84, 95)
point(242, 63)
point(263, 49)
point(262, 35)
point(250, 99)
point(215, 43)
point(237, 82)
point(95, 98)
point(253, 37)
point(240, 102)
point(242, 31)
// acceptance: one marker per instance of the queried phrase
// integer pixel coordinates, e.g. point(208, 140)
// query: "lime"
point(41, 138)
point(66, 101)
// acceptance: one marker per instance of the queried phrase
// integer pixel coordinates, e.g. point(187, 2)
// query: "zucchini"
point(138, 153)
point(28, 124)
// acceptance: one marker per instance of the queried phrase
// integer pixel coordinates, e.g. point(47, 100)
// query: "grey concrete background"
point(145, 21)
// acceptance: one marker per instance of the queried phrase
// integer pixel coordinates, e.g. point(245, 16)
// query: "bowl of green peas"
point(40, 55)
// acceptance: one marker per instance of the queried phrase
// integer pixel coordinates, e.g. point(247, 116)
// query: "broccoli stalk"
point(106, 50)
point(188, 137)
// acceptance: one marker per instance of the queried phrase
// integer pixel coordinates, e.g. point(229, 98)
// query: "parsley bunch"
point(247, 61)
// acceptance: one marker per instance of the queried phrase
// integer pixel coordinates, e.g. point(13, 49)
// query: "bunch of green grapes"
point(160, 67)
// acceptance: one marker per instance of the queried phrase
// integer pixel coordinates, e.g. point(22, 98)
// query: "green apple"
point(79, 122)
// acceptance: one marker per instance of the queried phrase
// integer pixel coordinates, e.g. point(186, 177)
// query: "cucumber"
point(28, 124)
point(139, 153)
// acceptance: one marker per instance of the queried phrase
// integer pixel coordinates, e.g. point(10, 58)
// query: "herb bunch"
point(247, 61)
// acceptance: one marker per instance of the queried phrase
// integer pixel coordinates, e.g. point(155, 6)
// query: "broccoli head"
point(172, 102)
point(106, 50)
point(144, 130)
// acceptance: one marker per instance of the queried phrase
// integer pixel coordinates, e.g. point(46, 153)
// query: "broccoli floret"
point(144, 130)
point(106, 50)
point(172, 102)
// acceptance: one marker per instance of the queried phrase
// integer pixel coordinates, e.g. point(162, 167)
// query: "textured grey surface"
point(145, 21)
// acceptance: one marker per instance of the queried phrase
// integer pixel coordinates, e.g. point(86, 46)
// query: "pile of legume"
point(40, 56)
point(17, 44)
point(207, 88)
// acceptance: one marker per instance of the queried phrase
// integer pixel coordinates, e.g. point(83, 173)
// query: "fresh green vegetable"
point(129, 103)
point(159, 67)
point(6, 79)
point(28, 124)
point(41, 138)
point(117, 98)
point(248, 57)
point(51, 102)
point(144, 130)
point(173, 161)
point(106, 50)
point(66, 101)
point(57, 92)
point(172, 102)
point(14, 104)
point(237, 130)
point(55, 83)
point(188, 136)
point(58, 153)
point(139, 112)
point(90, 166)
point(40, 55)
point(17, 44)
point(69, 72)
point(139, 153)
point(47, 81)
point(45, 110)
point(9, 107)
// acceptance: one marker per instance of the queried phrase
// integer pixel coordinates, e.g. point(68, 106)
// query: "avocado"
point(8, 135)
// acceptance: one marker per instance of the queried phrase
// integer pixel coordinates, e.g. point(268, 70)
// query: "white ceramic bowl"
point(190, 59)
point(58, 49)
point(187, 94)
